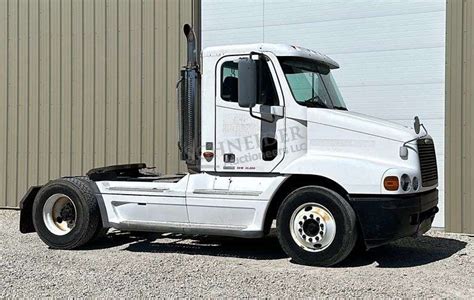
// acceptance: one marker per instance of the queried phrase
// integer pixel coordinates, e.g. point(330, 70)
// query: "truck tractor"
point(269, 144)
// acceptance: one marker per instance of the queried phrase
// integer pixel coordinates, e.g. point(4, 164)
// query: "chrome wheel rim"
point(59, 214)
point(313, 227)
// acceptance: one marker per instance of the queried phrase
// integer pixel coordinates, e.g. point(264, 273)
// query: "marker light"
point(391, 183)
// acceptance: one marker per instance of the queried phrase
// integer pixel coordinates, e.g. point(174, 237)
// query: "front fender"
point(355, 175)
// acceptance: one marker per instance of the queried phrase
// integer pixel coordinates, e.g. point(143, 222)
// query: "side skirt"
point(186, 228)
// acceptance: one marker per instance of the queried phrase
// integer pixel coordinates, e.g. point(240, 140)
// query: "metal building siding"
point(86, 84)
point(468, 82)
point(392, 53)
point(460, 116)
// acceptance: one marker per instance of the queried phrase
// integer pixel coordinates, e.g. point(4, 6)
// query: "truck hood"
point(361, 123)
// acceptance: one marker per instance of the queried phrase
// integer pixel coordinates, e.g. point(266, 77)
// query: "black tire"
point(88, 221)
point(346, 231)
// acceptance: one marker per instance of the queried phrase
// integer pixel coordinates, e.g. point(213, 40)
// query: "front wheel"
point(316, 226)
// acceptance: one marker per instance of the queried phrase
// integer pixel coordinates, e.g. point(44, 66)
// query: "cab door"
point(248, 142)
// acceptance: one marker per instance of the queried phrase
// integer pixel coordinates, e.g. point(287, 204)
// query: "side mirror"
point(416, 125)
point(247, 86)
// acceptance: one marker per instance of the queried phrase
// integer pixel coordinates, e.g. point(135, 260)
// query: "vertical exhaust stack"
point(192, 50)
point(189, 108)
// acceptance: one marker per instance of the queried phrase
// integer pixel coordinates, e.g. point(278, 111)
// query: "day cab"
point(268, 141)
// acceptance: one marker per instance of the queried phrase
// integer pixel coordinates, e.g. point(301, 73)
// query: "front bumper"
point(385, 218)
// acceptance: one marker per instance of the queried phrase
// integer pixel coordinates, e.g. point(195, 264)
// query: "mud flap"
point(26, 210)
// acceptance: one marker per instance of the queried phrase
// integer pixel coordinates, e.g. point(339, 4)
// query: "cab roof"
point(277, 49)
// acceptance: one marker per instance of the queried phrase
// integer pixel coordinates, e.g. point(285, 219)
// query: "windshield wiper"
point(315, 102)
point(340, 108)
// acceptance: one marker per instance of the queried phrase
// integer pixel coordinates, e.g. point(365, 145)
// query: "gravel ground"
point(152, 265)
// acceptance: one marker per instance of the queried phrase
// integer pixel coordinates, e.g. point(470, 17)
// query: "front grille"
point(427, 155)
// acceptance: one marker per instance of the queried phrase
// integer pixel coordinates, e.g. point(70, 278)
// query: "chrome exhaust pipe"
point(192, 50)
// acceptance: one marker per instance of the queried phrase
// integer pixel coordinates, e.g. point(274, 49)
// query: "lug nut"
point(321, 225)
point(301, 223)
point(310, 240)
point(311, 216)
point(317, 238)
point(304, 218)
point(304, 236)
point(321, 233)
point(318, 219)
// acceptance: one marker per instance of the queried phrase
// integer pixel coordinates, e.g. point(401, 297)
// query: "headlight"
point(405, 182)
point(415, 183)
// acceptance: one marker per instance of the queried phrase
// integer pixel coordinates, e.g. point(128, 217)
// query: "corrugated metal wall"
point(460, 116)
point(87, 83)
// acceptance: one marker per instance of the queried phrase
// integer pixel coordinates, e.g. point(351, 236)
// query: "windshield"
point(312, 84)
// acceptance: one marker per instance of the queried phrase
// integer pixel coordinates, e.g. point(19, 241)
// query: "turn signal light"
point(391, 183)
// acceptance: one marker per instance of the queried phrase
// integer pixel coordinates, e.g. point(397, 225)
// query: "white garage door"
point(392, 53)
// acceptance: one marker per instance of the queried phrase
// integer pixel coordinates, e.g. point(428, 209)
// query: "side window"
point(230, 78)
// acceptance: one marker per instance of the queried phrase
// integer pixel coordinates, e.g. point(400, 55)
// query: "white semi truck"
point(266, 137)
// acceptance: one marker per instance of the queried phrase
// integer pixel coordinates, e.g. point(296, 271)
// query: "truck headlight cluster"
point(405, 182)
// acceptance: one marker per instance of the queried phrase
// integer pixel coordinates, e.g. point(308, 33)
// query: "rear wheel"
point(316, 226)
point(66, 214)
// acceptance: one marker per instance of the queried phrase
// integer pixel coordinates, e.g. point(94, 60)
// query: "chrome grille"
point(429, 168)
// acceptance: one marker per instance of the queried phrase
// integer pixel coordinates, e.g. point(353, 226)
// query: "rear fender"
point(26, 210)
